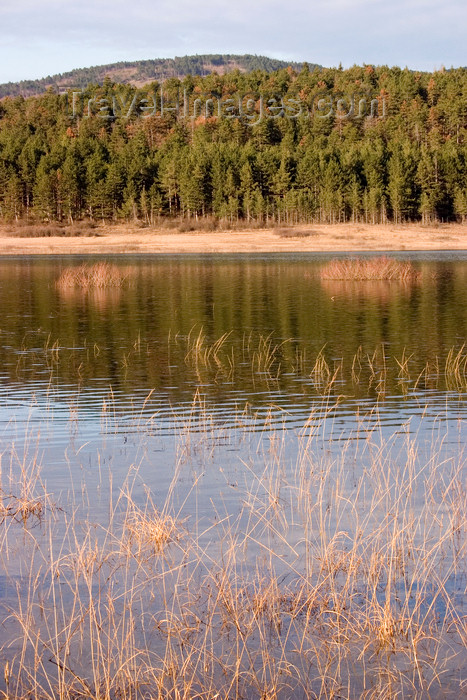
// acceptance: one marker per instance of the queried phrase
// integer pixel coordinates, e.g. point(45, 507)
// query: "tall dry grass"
point(320, 570)
point(92, 276)
point(267, 358)
point(359, 269)
point(31, 229)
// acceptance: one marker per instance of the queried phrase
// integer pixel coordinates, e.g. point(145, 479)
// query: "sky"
point(45, 37)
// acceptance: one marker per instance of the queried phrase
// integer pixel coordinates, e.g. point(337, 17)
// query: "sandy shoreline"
point(122, 238)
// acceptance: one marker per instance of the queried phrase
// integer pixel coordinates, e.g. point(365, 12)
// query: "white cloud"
point(50, 36)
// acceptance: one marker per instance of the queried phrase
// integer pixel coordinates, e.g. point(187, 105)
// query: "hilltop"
point(139, 73)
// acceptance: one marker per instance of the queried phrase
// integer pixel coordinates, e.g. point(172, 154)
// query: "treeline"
point(138, 72)
point(324, 165)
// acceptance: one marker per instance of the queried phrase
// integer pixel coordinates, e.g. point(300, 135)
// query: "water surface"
point(232, 385)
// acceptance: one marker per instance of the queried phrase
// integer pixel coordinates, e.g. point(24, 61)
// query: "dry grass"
point(202, 224)
point(265, 360)
point(317, 582)
point(202, 353)
point(44, 230)
point(262, 353)
point(359, 269)
point(294, 232)
point(97, 276)
point(301, 567)
point(23, 496)
point(150, 528)
point(455, 369)
point(163, 236)
point(20, 507)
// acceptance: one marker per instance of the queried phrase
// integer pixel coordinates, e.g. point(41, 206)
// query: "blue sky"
point(42, 37)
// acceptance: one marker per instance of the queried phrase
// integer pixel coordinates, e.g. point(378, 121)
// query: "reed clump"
point(152, 529)
point(360, 269)
point(97, 276)
point(20, 508)
point(23, 496)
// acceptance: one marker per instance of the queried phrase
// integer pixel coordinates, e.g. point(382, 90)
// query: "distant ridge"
point(139, 73)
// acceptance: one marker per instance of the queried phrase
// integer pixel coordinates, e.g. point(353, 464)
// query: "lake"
point(231, 478)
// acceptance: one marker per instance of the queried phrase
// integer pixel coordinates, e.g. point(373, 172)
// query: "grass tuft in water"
point(359, 269)
point(97, 276)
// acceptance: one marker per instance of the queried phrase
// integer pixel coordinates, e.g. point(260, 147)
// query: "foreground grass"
point(310, 579)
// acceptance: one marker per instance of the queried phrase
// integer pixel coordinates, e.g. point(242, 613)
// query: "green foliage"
point(408, 165)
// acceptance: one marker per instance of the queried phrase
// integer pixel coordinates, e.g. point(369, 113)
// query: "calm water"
point(209, 369)
point(72, 346)
point(89, 367)
point(85, 368)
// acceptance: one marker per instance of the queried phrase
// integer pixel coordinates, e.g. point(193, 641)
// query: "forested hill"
point(138, 73)
point(369, 143)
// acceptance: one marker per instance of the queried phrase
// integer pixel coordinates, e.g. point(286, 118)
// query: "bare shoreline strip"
point(129, 239)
